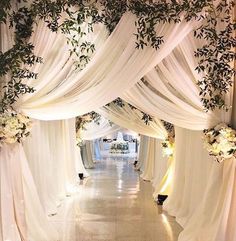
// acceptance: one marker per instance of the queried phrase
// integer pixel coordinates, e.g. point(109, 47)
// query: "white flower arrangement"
point(168, 147)
point(13, 127)
point(220, 142)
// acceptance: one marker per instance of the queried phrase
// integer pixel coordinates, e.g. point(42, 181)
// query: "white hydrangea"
point(13, 127)
point(220, 141)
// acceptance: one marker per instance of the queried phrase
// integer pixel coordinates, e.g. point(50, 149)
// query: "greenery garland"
point(81, 121)
point(215, 57)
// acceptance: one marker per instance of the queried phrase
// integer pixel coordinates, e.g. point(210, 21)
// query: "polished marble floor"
point(114, 204)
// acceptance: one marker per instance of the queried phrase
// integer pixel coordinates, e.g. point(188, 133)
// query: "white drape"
point(86, 153)
point(94, 130)
point(147, 174)
point(52, 147)
point(96, 150)
point(131, 119)
point(200, 200)
point(172, 93)
point(161, 165)
point(116, 66)
point(152, 163)
point(22, 216)
point(142, 155)
point(61, 93)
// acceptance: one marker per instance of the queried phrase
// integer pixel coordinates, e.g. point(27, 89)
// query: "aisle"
point(114, 205)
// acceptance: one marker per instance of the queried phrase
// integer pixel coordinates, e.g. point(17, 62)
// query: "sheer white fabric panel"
point(22, 215)
point(230, 217)
point(79, 163)
point(200, 200)
point(86, 153)
point(155, 165)
point(214, 208)
point(188, 186)
point(142, 155)
point(52, 153)
point(63, 94)
point(160, 168)
point(94, 131)
point(148, 170)
point(96, 150)
point(172, 93)
point(41, 159)
point(131, 119)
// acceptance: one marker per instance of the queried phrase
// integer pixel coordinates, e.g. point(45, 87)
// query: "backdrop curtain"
point(154, 166)
point(62, 93)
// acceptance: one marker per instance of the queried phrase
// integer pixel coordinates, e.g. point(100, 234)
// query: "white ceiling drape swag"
point(131, 119)
point(172, 93)
point(116, 66)
point(94, 130)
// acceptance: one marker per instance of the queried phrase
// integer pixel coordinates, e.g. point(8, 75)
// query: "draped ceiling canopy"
point(117, 66)
point(159, 82)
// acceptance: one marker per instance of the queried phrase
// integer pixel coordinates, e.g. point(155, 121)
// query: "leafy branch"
point(15, 63)
point(216, 55)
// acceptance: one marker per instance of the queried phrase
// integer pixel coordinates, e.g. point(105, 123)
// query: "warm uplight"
point(167, 226)
point(167, 180)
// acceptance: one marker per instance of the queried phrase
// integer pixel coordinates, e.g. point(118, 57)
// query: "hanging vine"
point(216, 55)
point(15, 62)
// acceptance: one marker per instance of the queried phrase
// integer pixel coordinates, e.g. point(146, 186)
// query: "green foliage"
point(216, 55)
point(5, 6)
point(15, 62)
point(81, 121)
point(169, 128)
point(151, 13)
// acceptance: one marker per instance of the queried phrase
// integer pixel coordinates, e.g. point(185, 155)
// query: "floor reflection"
point(114, 204)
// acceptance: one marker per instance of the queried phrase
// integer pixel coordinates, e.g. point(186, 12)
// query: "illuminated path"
point(114, 204)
